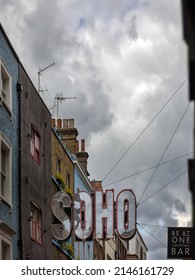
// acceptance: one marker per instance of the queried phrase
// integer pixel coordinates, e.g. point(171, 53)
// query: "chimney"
point(97, 185)
point(82, 157)
point(68, 134)
point(82, 145)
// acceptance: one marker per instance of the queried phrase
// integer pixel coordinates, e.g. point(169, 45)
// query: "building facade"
point(62, 180)
point(35, 172)
point(9, 150)
point(83, 249)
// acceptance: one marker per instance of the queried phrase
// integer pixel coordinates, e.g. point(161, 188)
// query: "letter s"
point(59, 201)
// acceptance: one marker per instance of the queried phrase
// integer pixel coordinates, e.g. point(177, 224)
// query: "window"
point(58, 165)
point(67, 179)
point(137, 247)
point(36, 224)
point(141, 253)
point(35, 144)
point(5, 169)
point(6, 234)
point(79, 250)
point(5, 85)
point(5, 248)
point(88, 252)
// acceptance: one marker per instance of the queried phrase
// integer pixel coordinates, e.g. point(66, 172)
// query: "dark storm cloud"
point(46, 34)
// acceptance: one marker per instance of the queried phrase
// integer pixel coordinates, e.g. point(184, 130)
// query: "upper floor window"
point(5, 169)
point(35, 145)
point(5, 85)
point(36, 224)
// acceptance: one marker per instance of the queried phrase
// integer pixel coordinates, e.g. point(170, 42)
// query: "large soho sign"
point(97, 213)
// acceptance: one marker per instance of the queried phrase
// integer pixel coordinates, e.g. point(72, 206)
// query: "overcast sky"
point(122, 60)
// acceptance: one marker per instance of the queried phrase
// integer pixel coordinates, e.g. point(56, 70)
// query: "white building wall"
point(137, 245)
point(110, 248)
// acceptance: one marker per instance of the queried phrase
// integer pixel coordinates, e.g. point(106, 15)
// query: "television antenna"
point(40, 74)
point(57, 100)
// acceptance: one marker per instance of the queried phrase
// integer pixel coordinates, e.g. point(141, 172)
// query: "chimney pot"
point(53, 123)
point(77, 146)
point(82, 145)
point(65, 123)
point(59, 123)
point(71, 123)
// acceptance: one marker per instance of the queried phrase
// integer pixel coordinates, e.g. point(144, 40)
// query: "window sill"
point(3, 199)
point(37, 242)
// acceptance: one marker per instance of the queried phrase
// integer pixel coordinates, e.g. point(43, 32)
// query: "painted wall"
point(35, 178)
point(9, 128)
point(110, 248)
point(82, 250)
point(135, 245)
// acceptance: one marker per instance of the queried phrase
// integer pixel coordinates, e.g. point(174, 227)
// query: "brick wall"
point(59, 153)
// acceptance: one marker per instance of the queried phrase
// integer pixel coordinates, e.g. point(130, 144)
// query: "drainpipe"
point(20, 245)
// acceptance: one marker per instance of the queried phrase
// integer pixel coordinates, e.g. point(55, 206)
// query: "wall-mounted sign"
point(179, 242)
point(96, 214)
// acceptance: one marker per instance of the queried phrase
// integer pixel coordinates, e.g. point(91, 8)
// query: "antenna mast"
point(40, 73)
point(58, 99)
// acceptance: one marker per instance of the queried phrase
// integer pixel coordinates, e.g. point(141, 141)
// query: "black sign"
point(179, 242)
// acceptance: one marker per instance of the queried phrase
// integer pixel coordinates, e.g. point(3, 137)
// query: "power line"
point(153, 236)
point(147, 169)
point(144, 129)
point(149, 225)
point(34, 242)
point(163, 187)
point(164, 152)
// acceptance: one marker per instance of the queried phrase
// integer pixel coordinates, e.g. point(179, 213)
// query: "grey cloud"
point(91, 117)
point(6, 4)
point(44, 31)
point(180, 206)
point(132, 27)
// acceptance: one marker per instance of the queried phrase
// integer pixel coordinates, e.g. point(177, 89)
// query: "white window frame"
point(8, 175)
point(6, 240)
point(5, 92)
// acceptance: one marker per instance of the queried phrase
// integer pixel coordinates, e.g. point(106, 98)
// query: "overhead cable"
point(147, 169)
point(153, 236)
point(177, 90)
point(162, 188)
point(166, 148)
